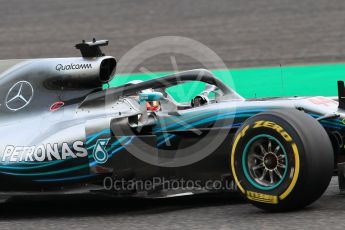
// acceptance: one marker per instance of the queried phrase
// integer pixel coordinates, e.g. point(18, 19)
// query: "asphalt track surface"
point(190, 212)
point(243, 33)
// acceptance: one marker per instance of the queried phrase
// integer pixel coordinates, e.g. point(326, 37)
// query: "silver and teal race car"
point(62, 131)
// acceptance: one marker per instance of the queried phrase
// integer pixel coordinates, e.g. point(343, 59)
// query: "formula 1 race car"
point(62, 130)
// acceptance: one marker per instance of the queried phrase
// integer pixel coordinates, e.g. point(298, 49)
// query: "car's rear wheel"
point(282, 160)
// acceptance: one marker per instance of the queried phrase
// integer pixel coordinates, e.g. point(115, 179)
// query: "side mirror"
point(151, 96)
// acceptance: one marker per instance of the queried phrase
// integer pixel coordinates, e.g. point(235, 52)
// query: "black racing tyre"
point(282, 160)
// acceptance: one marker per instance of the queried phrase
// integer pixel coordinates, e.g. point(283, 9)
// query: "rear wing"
point(341, 95)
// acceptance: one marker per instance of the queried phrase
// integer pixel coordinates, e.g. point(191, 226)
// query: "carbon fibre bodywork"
point(60, 129)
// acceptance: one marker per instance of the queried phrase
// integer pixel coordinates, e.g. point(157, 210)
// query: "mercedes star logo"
point(19, 95)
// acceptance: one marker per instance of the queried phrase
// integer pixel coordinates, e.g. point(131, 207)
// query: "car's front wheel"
point(282, 160)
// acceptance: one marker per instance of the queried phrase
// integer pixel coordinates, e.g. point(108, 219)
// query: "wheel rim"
point(265, 162)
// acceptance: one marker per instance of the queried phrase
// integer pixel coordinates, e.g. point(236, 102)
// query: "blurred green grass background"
point(307, 80)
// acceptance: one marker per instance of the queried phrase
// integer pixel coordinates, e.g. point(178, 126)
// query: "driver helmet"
point(152, 106)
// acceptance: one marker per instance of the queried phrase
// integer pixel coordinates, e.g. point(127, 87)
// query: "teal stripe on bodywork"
point(181, 120)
